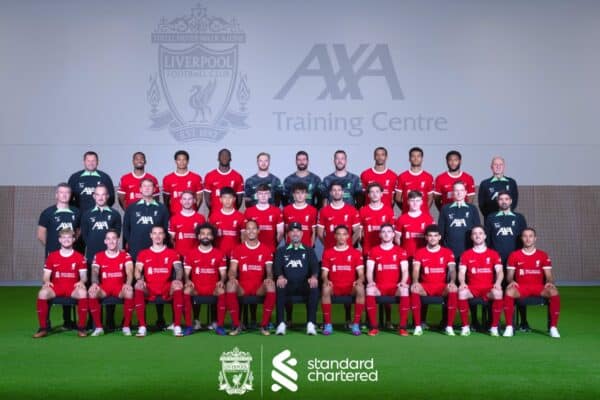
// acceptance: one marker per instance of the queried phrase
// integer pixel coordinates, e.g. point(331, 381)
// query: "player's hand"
point(93, 290)
point(463, 286)
point(313, 282)
point(512, 285)
point(452, 286)
point(549, 286)
point(497, 287)
point(48, 285)
point(220, 285)
point(140, 284)
point(328, 283)
point(281, 282)
point(403, 285)
point(268, 281)
point(233, 281)
point(416, 287)
point(80, 285)
point(189, 285)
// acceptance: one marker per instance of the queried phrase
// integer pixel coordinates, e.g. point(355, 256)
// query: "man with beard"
point(129, 185)
point(304, 176)
point(220, 177)
point(351, 186)
point(445, 181)
point(490, 188)
point(380, 174)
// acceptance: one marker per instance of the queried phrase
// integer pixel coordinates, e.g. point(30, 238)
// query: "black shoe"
point(524, 327)
point(476, 326)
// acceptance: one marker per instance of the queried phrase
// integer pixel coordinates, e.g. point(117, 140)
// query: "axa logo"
point(374, 61)
point(458, 223)
point(283, 373)
point(100, 226)
point(505, 231)
point(145, 220)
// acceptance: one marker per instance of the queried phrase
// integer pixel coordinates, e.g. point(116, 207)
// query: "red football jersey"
point(129, 185)
point(183, 229)
point(157, 267)
point(529, 268)
point(480, 266)
point(267, 219)
point(229, 229)
point(252, 262)
point(306, 216)
point(112, 269)
point(65, 270)
point(408, 181)
point(174, 185)
point(342, 265)
point(371, 220)
point(216, 180)
point(434, 264)
point(444, 183)
point(411, 230)
point(330, 217)
point(387, 265)
point(204, 266)
point(387, 180)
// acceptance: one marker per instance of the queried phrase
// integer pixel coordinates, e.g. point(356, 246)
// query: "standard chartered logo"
point(283, 374)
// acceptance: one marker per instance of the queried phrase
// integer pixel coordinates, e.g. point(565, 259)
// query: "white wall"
point(514, 78)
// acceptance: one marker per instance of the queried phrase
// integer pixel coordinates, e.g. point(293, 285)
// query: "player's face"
point(302, 162)
point(336, 192)
point(63, 194)
point(504, 202)
point(66, 241)
point(453, 163)
point(300, 196)
point(295, 235)
point(251, 231)
point(263, 163)
point(386, 234)
point(111, 241)
point(224, 158)
point(498, 166)
point(158, 236)
point(263, 196)
point(380, 157)
point(415, 203)
point(227, 201)
point(147, 189)
point(340, 161)
point(375, 194)
point(341, 237)
point(528, 238)
point(205, 237)
point(478, 236)
point(100, 196)
point(187, 201)
point(433, 239)
point(90, 162)
point(139, 161)
point(459, 192)
point(416, 159)
point(181, 162)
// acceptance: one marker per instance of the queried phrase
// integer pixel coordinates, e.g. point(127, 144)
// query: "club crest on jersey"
point(73, 265)
point(198, 76)
point(537, 263)
point(333, 268)
point(235, 376)
point(260, 257)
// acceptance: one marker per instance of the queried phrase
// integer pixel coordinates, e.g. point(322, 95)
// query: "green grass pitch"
point(528, 366)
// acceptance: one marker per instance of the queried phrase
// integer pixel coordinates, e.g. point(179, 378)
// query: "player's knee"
point(79, 293)
point(219, 291)
point(231, 287)
point(44, 294)
point(371, 291)
point(176, 285)
point(139, 285)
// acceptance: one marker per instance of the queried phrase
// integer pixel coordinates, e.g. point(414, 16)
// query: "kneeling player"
point(251, 274)
point(432, 265)
point(112, 276)
point(343, 275)
point(65, 274)
point(529, 273)
point(476, 271)
point(154, 272)
point(387, 275)
point(205, 268)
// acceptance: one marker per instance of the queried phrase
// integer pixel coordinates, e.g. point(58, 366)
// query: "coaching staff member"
point(296, 269)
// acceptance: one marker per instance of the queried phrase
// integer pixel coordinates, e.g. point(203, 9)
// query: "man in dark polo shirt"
point(296, 269)
point(84, 182)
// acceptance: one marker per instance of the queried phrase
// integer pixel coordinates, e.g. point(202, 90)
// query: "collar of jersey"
point(90, 173)
point(455, 204)
point(291, 246)
point(151, 203)
point(501, 213)
point(59, 210)
point(105, 208)
point(501, 179)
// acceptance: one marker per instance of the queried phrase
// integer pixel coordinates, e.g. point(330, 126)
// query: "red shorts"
point(250, 287)
point(434, 289)
point(530, 290)
point(342, 288)
point(387, 290)
point(202, 289)
point(480, 291)
point(161, 289)
point(63, 289)
point(111, 289)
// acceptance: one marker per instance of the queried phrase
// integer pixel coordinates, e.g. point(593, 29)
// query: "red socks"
point(140, 307)
point(496, 312)
point(268, 308)
point(451, 309)
point(403, 309)
point(554, 310)
point(95, 310)
point(463, 309)
point(82, 311)
point(187, 309)
point(415, 302)
point(42, 313)
point(326, 313)
point(233, 307)
point(358, 310)
point(128, 306)
point(177, 307)
point(509, 309)
point(371, 305)
point(221, 307)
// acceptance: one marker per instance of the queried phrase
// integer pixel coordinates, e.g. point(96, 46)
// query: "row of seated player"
point(295, 271)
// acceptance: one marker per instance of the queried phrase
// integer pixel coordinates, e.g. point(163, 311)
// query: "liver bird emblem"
point(200, 99)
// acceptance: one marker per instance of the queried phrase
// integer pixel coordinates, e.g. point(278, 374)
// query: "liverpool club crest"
point(198, 78)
